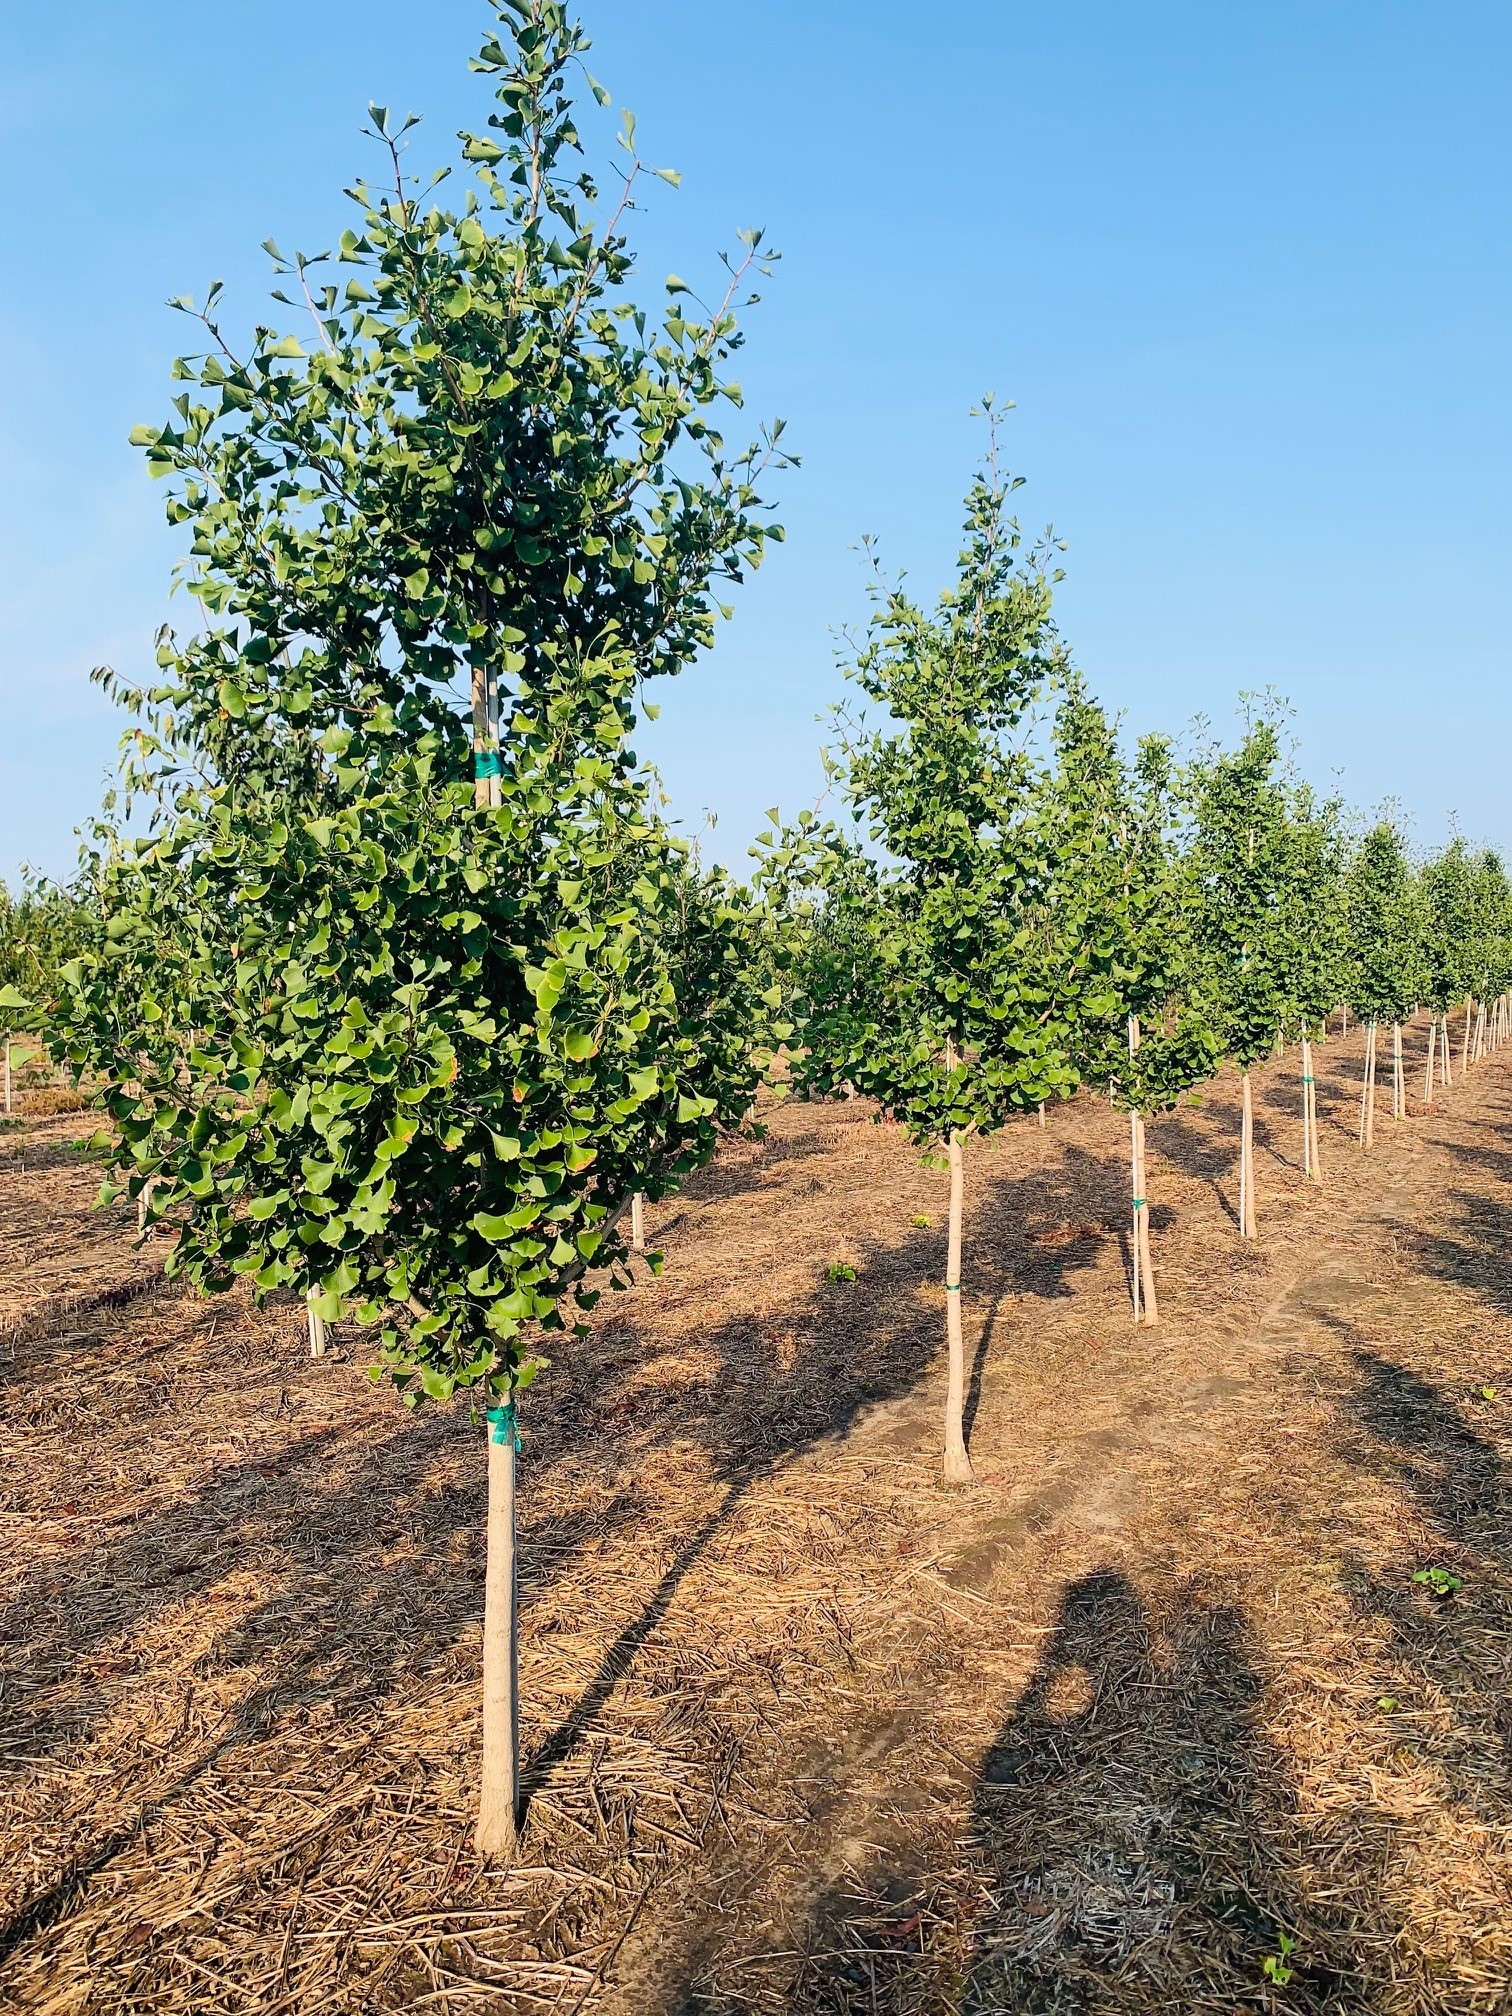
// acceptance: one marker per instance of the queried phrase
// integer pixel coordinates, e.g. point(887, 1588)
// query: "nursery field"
point(1157, 1715)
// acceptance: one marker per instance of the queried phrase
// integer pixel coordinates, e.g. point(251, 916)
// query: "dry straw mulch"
point(1153, 1718)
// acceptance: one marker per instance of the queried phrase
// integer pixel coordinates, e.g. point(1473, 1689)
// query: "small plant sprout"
point(1440, 1580)
point(1486, 1392)
point(839, 1271)
point(1387, 1703)
point(1275, 1965)
point(922, 1224)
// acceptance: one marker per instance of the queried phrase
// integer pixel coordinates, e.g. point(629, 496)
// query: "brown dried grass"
point(809, 1733)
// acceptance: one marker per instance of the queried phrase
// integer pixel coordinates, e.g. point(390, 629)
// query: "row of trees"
point(397, 984)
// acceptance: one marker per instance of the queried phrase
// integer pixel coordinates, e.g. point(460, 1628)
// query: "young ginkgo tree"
point(928, 979)
point(1122, 906)
point(1238, 861)
point(406, 990)
point(1389, 973)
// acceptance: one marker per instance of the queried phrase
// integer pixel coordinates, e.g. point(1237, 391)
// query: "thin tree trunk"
point(1346, 1021)
point(499, 1789)
point(1446, 1055)
point(317, 1325)
point(7, 1075)
point(1428, 1067)
point(1042, 1113)
point(1312, 1166)
point(1465, 1051)
point(638, 1222)
point(958, 1468)
point(1247, 1164)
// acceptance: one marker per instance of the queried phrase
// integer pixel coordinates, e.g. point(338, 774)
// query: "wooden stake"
point(1465, 1050)
point(1446, 1060)
point(958, 1468)
point(1247, 1164)
point(499, 1789)
point(1134, 1251)
point(638, 1222)
point(1428, 1066)
point(1398, 1083)
point(317, 1325)
point(7, 1075)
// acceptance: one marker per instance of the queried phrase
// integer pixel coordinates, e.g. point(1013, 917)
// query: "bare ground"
point(1154, 1717)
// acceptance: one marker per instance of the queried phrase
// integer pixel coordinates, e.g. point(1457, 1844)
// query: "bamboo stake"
point(638, 1222)
point(1307, 1165)
point(1398, 1084)
point(958, 1468)
point(1247, 1164)
point(499, 1789)
point(1134, 1252)
point(1147, 1264)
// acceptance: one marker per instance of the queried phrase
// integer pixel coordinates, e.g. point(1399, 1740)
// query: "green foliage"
point(1121, 902)
point(372, 1038)
point(1276, 1966)
point(1239, 867)
point(1446, 908)
point(1308, 944)
point(839, 1272)
point(925, 965)
point(1388, 973)
point(1441, 1581)
point(42, 927)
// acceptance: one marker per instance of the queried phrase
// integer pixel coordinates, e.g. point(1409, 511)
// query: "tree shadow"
point(1475, 1255)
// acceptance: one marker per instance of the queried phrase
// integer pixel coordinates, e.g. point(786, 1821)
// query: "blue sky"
point(1245, 272)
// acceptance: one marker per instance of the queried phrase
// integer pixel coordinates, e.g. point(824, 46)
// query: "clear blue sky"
point(1246, 271)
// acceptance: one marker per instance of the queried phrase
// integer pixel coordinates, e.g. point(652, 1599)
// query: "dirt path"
point(809, 1732)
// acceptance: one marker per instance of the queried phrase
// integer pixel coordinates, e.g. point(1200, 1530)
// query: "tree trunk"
point(1042, 1113)
point(317, 1325)
point(1345, 1013)
point(1465, 1049)
point(1446, 1057)
point(638, 1222)
point(1428, 1067)
point(1367, 1098)
point(1247, 1164)
point(958, 1468)
point(499, 1791)
point(7, 1075)
point(1311, 1166)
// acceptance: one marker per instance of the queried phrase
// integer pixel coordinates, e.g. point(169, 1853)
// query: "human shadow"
point(1133, 1830)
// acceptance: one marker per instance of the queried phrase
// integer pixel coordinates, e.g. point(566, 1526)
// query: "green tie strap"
point(503, 1424)
point(1139, 1203)
point(952, 1287)
point(485, 764)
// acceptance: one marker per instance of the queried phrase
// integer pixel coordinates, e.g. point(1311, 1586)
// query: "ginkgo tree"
point(1308, 942)
point(406, 989)
point(1121, 901)
point(1388, 973)
point(928, 978)
point(1238, 814)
